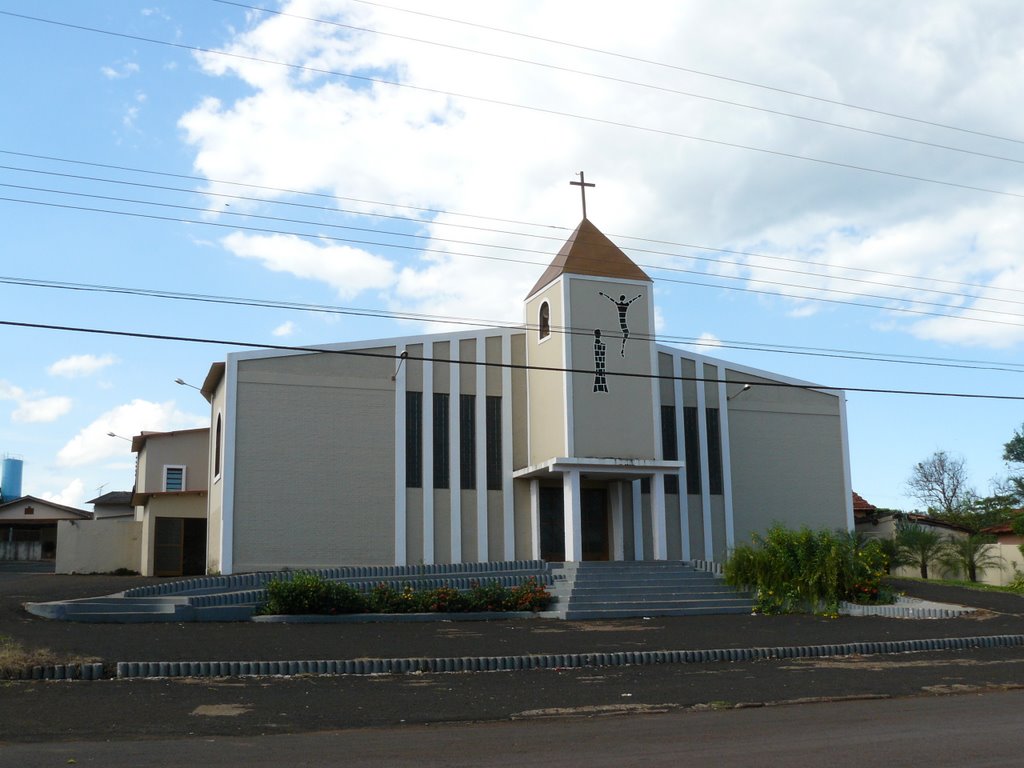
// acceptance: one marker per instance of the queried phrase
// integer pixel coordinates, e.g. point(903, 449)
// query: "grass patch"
point(975, 585)
point(14, 657)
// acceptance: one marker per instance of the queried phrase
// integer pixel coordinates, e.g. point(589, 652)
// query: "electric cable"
point(513, 366)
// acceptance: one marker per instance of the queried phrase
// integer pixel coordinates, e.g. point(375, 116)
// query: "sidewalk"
point(1002, 614)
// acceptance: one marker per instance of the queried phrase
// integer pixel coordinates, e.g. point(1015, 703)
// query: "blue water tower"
point(10, 480)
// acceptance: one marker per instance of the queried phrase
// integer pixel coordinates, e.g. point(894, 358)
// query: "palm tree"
point(919, 546)
point(971, 555)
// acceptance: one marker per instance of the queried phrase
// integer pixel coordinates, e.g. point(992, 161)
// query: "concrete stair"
point(236, 597)
point(613, 590)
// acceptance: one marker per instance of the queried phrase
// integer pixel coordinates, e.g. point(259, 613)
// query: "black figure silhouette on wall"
point(600, 379)
point(623, 306)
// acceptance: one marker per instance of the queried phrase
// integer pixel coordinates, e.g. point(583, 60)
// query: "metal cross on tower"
point(582, 184)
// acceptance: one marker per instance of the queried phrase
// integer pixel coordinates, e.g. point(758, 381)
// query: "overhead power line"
point(447, 252)
point(438, 212)
point(526, 107)
point(624, 81)
point(847, 354)
point(692, 71)
point(513, 366)
point(520, 249)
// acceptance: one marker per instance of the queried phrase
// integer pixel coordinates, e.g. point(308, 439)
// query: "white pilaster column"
point(723, 427)
point(428, 453)
point(454, 451)
point(705, 470)
point(481, 450)
point(638, 521)
point(573, 518)
point(400, 511)
point(684, 500)
point(660, 541)
point(507, 483)
point(535, 518)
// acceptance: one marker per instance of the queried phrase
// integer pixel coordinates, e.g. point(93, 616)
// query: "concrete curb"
point(397, 618)
point(158, 669)
point(93, 671)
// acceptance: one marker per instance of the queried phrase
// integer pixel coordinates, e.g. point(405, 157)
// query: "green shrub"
point(794, 571)
point(308, 593)
point(1017, 583)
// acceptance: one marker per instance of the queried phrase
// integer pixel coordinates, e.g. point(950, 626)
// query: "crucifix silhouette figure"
point(600, 371)
point(622, 305)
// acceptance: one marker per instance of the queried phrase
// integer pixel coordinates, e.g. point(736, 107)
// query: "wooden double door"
point(179, 546)
point(595, 534)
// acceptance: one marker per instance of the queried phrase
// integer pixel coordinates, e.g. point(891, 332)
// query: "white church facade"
point(574, 437)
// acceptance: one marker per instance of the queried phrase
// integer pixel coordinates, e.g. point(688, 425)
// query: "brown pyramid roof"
point(589, 252)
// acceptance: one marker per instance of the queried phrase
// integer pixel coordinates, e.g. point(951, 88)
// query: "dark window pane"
point(493, 443)
point(467, 441)
point(441, 440)
point(714, 452)
point(669, 444)
point(692, 435)
point(414, 439)
point(672, 484)
point(645, 485)
point(216, 450)
point(544, 321)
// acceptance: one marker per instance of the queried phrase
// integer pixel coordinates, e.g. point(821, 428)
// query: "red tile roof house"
point(1009, 544)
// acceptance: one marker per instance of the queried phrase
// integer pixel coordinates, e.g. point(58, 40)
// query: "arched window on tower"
point(544, 321)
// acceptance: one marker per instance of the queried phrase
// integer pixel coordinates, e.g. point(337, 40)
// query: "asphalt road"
point(939, 732)
point(51, 712)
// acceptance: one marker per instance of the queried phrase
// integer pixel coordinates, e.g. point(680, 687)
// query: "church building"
point(573, 437)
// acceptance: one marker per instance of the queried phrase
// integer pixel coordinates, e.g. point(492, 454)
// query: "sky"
point(828, 191)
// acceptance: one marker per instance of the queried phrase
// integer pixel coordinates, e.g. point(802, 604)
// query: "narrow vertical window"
point(714, 452)
point(544, 321)
point(441, 440)
point(414, 439)
point(669, 445)
point(493, 443)
point(216, 450)
point(467, 442)
point(692, 435)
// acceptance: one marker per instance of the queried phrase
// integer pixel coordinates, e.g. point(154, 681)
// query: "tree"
point(1013, 453)
point(940, 483)
point(919, 546)
point(971, 555)
point(978, 514)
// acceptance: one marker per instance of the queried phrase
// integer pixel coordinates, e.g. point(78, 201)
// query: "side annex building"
point(573, 437)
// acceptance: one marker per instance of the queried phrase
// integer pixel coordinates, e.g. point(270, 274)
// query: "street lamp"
point(121, 437)
point(186, 384)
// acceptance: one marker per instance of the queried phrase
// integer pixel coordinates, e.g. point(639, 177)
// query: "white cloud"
point(708, 340)
point(349, 271)
point(76, 366)
point(41, 410)
point(72, 495)
point(93, 444)
point(10, 392)
point(33, 407)
point(120, 71)
point(284, 329)
point(403, 146)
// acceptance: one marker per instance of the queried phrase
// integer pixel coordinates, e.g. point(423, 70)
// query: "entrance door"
point(179, 546)
point(596, 543)
point(552, 525)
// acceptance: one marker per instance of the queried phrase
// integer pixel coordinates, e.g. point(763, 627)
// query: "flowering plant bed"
point(309, 594)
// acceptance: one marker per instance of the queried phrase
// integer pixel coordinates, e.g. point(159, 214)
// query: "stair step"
point(627, 613)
